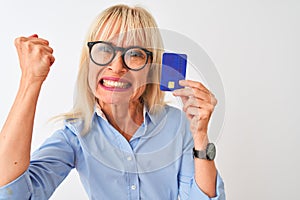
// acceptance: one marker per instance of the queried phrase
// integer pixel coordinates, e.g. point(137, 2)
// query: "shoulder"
point(67, 133)
point(73, 126)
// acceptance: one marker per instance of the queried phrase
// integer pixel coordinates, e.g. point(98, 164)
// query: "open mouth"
point(114, 84)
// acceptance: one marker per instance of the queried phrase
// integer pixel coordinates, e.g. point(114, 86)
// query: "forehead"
point(122, 35)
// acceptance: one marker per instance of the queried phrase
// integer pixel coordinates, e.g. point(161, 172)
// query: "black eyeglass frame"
point(123, 50)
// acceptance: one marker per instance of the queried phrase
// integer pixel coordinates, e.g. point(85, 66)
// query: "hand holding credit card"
point(173, 70)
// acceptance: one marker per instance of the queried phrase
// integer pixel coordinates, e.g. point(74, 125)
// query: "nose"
point(117, 65)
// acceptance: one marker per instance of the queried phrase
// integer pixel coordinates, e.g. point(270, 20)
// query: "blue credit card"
point(173, 69)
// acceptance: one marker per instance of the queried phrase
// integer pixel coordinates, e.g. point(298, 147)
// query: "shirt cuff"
point(197, 193)
point(17, 189)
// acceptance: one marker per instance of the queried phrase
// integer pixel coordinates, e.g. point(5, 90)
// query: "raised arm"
point(35, 57)
point(199, 104)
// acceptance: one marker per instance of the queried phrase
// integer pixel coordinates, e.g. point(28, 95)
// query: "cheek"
point(140, 83)
point(141, 78)
point(94, 72)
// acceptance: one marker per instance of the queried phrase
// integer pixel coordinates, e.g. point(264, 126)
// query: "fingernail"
point(34, 35)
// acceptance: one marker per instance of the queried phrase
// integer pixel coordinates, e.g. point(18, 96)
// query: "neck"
point(126, 118)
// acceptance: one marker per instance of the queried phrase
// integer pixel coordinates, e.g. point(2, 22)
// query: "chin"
point(114, 99)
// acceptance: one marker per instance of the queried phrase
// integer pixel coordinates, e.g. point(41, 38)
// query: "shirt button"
point(129, 158)
point(133, 187)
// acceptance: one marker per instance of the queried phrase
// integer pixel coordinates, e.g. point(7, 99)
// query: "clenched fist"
point(35, 57)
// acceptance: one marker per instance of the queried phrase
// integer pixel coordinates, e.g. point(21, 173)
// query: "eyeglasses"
point(134, 58)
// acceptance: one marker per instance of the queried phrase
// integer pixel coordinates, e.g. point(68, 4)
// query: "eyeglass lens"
point(103, 54)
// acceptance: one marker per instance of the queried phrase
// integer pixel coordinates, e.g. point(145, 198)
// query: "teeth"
point(110, 83)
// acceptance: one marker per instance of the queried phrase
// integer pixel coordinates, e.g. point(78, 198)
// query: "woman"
point(120, 136)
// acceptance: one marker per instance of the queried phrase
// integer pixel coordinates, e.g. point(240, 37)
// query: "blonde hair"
point(130, 24)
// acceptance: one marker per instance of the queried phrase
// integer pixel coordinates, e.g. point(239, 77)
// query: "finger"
point(198, 103)
point(191, 102)
point(184, 99)
point(190, 117)
point(193, 92)
point(52, 60)
point(39, 41)
point(213, 100)
point(36, 38)
point(183, 92)
point(193, 84)
point(201, 114)
point(47, 49)
point(48, 59)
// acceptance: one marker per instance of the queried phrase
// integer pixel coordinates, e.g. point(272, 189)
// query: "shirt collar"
point(99, 112)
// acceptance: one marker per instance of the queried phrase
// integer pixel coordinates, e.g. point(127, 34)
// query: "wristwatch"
point(208, 154)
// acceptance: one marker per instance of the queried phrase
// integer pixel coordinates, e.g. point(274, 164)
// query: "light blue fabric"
point(157, 163)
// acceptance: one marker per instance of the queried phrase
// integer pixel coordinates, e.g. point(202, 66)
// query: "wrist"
point(200, 141)
point(32, 78)
point(29, 89)
point(26, 82)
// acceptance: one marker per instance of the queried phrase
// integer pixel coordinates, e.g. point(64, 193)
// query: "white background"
point(255, 46)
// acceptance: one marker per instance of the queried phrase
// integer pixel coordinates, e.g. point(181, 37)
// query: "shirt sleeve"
point(188, 188)
point(49, 166)
point(196, 192)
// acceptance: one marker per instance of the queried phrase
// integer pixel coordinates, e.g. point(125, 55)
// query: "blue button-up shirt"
point(157, 163)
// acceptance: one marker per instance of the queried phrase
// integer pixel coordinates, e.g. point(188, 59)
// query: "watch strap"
point(201, 154)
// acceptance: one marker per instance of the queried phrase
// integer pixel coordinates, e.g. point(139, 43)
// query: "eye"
point(136, 53)
point(102, 53)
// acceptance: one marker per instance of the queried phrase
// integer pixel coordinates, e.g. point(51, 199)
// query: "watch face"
point(211, 151)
